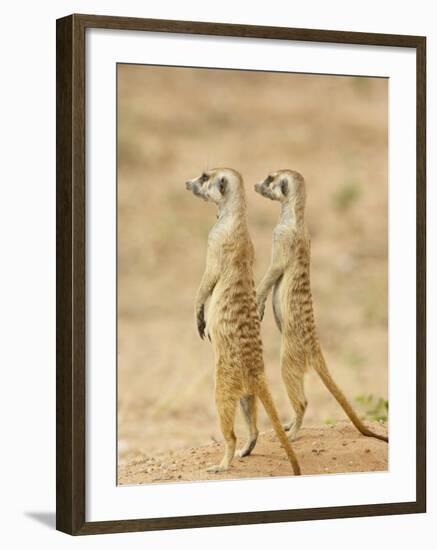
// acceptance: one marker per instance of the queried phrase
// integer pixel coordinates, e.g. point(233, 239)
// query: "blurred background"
point(172, 124)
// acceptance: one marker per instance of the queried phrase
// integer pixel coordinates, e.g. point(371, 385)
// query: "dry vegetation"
point(173, 123)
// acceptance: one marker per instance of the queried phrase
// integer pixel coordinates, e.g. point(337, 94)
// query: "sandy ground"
point(328, 450)
point(173, 123)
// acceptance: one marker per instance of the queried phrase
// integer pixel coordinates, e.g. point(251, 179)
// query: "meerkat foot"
point(247, 449)
point(244, 451)
point(217, 469)
point(292, 429)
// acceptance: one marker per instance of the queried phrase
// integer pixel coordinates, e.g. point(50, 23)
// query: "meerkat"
point(289, 276)
point(232, 323)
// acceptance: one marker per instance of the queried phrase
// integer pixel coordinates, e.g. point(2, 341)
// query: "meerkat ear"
point(222, 183)
point(284, 186)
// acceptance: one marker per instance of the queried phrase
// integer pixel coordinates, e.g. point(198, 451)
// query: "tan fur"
point(289, 275)
point(232, 322)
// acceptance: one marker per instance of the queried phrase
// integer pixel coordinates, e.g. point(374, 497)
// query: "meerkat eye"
point(268, 180)
point(204, 177)
point(284, 186)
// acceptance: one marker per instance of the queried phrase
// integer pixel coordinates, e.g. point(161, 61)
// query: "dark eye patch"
point(204, 177)
point(222, 183)
point(268, 180)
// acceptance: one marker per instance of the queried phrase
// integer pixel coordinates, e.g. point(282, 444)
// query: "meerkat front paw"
point(260, 308)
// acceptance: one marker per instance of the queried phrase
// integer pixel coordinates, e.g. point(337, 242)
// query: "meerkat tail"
point(267, 401)
point(320, 367)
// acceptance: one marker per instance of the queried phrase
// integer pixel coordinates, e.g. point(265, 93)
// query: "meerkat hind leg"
point(226, 406)
point(248, 407)
point(293, 372)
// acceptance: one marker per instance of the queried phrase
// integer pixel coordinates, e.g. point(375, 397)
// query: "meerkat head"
point(283, 186)
point(218, 185)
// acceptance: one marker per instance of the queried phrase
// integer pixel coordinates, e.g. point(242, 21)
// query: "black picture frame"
point(71, 279)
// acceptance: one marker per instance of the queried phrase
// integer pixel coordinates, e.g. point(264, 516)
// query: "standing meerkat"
point(232, 322)
point(289, 275)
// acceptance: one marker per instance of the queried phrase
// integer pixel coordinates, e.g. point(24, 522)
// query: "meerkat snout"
point(266, 188)
point(196, 187)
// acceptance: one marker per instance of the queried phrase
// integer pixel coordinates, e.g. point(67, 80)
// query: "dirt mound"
point(331, 449)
